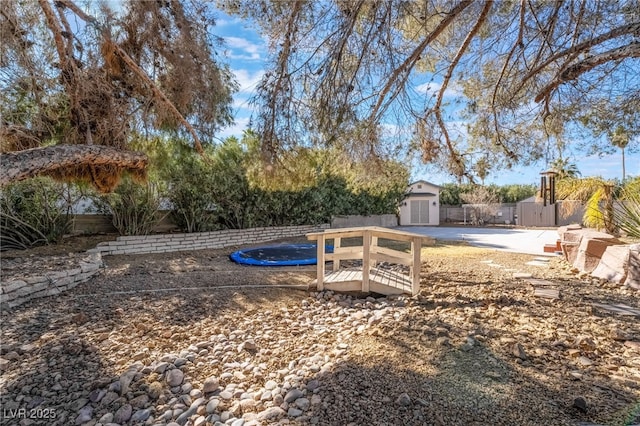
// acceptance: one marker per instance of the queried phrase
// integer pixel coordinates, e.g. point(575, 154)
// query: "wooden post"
point(320, 264)
point(374, 243)
point(366, 259)
point(416, 248)
point(337, 241)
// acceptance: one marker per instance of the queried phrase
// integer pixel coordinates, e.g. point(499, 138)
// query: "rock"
point(576, 375)
point(634, 345)
point(212, 405)
point(248, 345)
point(468, 344)
point(109, 398)
point(96, 395)
point(633, 271)
point(294, 412)
point(141, 415)
point(617, 334)
point(266, 396)
point(493, 375)
point(592, 246)
point(518, 351)
point(581, 404)
point(78, 404)
point(155, 390)
point(613, 264)
point(161, 367)
point(211, 384)
point(174, 377)
point(123, 414)
point(313, 385)
point(125, 380)
point(139, 401)
point(583, 360)
point(84, 415)
point(292, 395)
point(303, 403)
point(270, 385)
point(403, 400)
point(248, 405)
point(270, 414)
point(107, 418)
point(179, 362)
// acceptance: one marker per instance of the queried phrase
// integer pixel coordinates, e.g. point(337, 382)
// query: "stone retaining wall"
point(164, 243)
point(16, 292)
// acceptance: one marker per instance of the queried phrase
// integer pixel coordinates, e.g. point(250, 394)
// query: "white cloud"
point(429, 87)
point(248, 80)
point(250, 51)
point(228, 21)
point(432, 88)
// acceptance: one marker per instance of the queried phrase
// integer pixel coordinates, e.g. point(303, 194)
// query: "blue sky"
point(246, 53)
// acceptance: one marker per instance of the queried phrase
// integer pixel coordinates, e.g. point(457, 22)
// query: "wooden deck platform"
point(381, 281)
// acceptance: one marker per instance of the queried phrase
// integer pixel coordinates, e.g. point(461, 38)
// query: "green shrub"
point(134, 208)
point(627, 215)
point(191, 195)
point(34, 212)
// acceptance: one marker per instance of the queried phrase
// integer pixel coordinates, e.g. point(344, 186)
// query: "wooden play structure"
point(370, 276)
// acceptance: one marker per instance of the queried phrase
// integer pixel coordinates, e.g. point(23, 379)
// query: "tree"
point(515, 71)
point(564, 168)
point(598, 196)
point(620, 139)
point(615, 125)
point(83, 79)
point(482, 202)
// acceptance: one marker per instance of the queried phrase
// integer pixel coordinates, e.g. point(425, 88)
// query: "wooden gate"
point(536, 214)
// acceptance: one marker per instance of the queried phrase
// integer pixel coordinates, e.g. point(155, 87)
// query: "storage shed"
point(421, 205)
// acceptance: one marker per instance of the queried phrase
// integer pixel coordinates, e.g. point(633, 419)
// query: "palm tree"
point(598, 196)
point(620, 138)
point(564, 168)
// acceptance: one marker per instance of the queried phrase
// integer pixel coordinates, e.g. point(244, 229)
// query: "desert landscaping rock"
point(259, 355)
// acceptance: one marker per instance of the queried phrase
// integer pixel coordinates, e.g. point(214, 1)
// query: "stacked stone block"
point(601, 255)
point(164, 243)
point(16, 292)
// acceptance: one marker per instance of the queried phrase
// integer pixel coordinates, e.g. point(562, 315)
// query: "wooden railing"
point(368, 277)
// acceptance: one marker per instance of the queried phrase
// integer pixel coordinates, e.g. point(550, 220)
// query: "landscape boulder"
point(633, 270)
point(591, 248)
point(613, 265)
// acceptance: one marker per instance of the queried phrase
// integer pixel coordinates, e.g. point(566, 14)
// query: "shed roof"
point(424, 181)
point(420, 194)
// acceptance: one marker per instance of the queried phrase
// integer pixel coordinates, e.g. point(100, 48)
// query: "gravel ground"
point(192, 338)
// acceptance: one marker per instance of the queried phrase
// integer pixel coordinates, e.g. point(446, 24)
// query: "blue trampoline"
point(280, 255)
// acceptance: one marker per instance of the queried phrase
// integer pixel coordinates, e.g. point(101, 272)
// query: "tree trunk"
point(29, 163)
point(624, 171)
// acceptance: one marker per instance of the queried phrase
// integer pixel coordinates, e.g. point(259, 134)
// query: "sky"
point(246, 53)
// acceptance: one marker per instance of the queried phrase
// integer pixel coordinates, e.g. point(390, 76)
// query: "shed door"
point(419, 211)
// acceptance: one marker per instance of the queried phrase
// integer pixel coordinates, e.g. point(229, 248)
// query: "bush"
point(627, 215)
point(135, 208)
point(191, 195)
point(34, 212)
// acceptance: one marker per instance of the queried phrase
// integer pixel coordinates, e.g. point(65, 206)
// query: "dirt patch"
point(476, 346)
